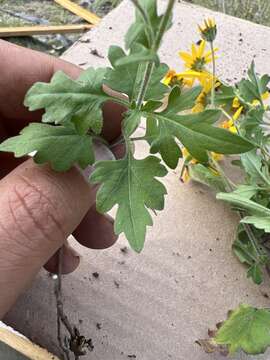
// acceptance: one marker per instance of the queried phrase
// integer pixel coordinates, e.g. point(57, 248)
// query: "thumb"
point(38, 210)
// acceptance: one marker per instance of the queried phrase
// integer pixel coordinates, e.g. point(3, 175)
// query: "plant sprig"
point(73, 120)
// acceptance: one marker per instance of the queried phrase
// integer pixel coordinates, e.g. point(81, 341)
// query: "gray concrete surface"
point(187, 278)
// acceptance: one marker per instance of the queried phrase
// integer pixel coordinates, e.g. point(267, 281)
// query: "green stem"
point(214, 74)
point(150, 33)
point(145, 83)
point(164, 24)
point(227, 182)
point(150, 65)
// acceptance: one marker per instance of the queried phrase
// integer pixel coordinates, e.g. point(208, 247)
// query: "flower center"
point(198, 64)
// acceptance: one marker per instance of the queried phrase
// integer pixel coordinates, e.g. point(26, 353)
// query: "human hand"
point(40, 208)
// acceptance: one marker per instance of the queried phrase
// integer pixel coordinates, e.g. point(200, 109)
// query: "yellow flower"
point(216, 156)
point(172, 78)
point(187, 156)
point(236, 103)
point(191, 76)
point(185, 176)
point(208, 30)
point(198, 58)
point(201, 101)
point(238, 112)
point(230, 124)
point(264, 96)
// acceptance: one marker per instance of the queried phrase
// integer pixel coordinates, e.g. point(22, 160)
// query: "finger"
point(71, 260)
point(21, 75)
point(38, 210)
point(96, 231)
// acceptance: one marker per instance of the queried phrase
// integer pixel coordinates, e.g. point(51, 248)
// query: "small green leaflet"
point(123, 78)
point(131, 184)
point(206, 176)
point(138, 32)
point(142, 54)
point(60, 146)
point(225, 96)
point(255, 273)
point(243, 203)
point(247, 191)
point(260, 215)
point(253, 88)
point(245, 252)
point(66, 100)
point(260, 222)
point(257, 172)
point(247, 329)
point(194, 131)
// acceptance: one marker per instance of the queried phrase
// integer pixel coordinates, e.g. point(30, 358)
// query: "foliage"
point(247, 328)
point(243, 111)
point(73, 117)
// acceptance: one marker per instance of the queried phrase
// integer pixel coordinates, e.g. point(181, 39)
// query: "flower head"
point(208, 30)
point(185, 78)
point(198, 58)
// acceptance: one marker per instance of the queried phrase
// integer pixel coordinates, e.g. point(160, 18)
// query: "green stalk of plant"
point(214, 74)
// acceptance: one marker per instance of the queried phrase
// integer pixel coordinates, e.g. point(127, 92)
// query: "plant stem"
point(150, 65)
point(227, 182)
point(145, 82)
point(163, 25)
point(214, 74)
point(146, 20)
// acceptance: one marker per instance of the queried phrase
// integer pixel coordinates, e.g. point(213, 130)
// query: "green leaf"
point(243, 248)
point(195, 132)
point(244, 203)
point(253, 88)
point(181, 100)
point(206, 176)
point(245, 252)
point(131, 121)
point(66, 100)
point(260, 222)
point(131, 184)
point(142, 54)
point(123, 78)
point(255, 273)
point(257, 172)
point(246, 329)
point(247, 191)
point(225, 96)
point(60, 146)
point(137, 32)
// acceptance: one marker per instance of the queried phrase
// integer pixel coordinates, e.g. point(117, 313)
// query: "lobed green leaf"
point(60, 146)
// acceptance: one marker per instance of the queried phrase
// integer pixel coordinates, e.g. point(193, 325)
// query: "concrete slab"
point(187, 278)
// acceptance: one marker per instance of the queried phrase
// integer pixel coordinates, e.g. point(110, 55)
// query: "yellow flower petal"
point(201, 49)
point(237, 114)
point(185, 176)
point(236, 103)
point(194, 51)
